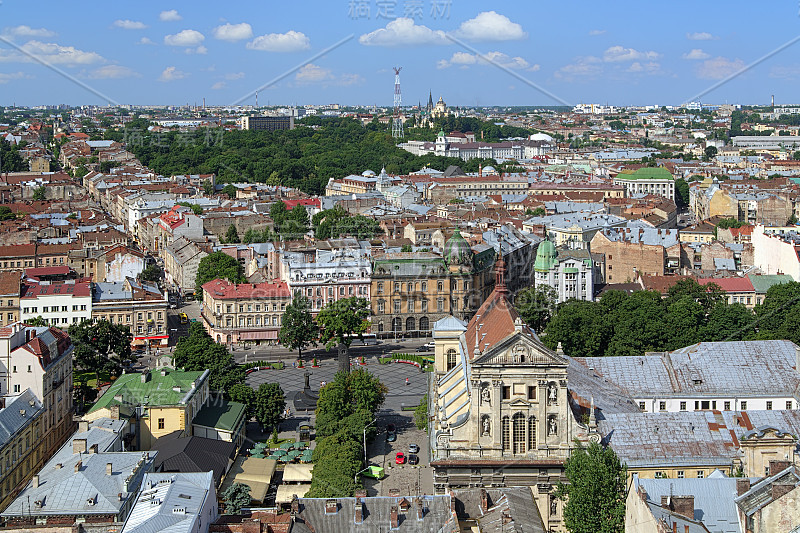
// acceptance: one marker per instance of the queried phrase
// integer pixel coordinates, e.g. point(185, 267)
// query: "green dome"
point(546, 257)
point(457, 250)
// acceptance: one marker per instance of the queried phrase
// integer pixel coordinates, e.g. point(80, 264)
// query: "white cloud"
point(5, 77)
point(403, 32)
point(718, 68)
point(202, 50)
point(490, 26)
point(616, 54)
point(50, 53)
point(312, 73)
point(497, 58)
point(596, 32)
point(26, 32)
point(787, 72)
point(172, 74)
point(129, 24)
point(185, 38)
point(291, 41)
point(145, 40)
point(583, 67)
point(233, 32)
point(113, 72)
point(170, 16)
point(700, 36)
point(219, 85)
point(234, 75)
point(651, 67)
point(696, 53)
point(349, 79)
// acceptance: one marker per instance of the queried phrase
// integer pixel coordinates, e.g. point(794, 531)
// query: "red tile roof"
point(313, 202)
point(730, 284)
point(34, 290)
point(225, 290)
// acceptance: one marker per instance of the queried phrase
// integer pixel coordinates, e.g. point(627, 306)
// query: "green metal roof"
point(762, 283)
point(546, 257)
point(158, 390)
point(646, 173)
point(225, 416)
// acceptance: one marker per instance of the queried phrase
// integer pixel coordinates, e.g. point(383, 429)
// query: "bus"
point(367, 339)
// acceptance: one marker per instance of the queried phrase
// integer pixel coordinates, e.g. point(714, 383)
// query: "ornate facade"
point(500, 408)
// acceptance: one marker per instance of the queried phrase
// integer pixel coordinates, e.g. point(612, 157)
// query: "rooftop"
point(151, 389)
point(171, 502)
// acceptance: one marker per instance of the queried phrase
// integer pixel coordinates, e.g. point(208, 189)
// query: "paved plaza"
point(393, 375)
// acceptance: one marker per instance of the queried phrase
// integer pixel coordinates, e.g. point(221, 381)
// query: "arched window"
point(411, 324)
point(532, 433)
point(424, 324)
point(451, 358)
point(506, 436)
point(519, 433)
point(380, 327)
point(397, 324)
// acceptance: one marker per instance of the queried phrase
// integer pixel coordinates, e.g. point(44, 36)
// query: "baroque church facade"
point(500, 410)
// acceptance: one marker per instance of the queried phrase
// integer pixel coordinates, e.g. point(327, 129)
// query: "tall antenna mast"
point(397, 122)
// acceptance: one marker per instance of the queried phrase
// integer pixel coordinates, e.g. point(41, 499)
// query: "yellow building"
point(21, 449)
point(156, 403)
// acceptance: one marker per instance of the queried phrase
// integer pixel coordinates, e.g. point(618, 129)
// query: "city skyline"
point(467, 52)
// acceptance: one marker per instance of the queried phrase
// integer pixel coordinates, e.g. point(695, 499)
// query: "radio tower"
point(397, 122)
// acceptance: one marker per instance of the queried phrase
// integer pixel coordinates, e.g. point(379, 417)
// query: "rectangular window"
point(789, 404)
point(680, 474)
point(726, 406)
point(506, 392)
point(662, 406)
point(396, 286)
point(659, 475)
point(380, 306)
point(531, 393)
point(641, 406)
point(160, 423)
point(397, 306)
point(424, 305)
point(683, 406)
point(440, 286)
point(380, 287)
point(701, 474)
point(424, 286)
point(440, 305)
point(769, 406)
point(744, 406)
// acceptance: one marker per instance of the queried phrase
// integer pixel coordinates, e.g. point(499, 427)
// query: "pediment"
point(519, 402)
point(520, 349)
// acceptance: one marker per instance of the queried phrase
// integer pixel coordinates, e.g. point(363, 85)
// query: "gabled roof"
point(193, 454)
point(172, 503)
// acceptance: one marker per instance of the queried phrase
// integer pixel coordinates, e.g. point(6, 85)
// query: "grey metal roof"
point(760, 494)
point(587, 386)
point(171, 503)
point(17, 414)
point(746, 369)
point(648, 236)
point(713, 499)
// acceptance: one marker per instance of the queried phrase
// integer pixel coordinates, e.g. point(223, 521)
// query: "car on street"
point(400, 458)
point(391, 437)
point(413, 448)
point(391, 428)
point(413, 459)
point(423, 348)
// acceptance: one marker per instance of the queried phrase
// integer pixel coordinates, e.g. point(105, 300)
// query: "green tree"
point(778, 316)
point(726, 223)
point(733, 322)
point(6, 213)
point(710, 152)
point(10, 158)
point(339, 321)
point(39, 194)
point(230, 190)
point(406, 248)
point(217, 265)
point(152, 273)
point(244, 394)
point(196, 209)
point(536, 305)
point(236, 497)
point(581, 327)
point(681, 193)
point(708, 296)
point(270, 403)
point(208, 189)
point(595, 492)
point(232, 236)
point(421, 414)
point(638, 325)
point(278, 212)
point(37, 321)
point(198, 351)
point(349, 394)
point(101, 346)
point(298, 329)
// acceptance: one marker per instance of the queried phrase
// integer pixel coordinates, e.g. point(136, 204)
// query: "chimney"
point(83, 426)
point(145, 376)
point(395, 522)
point(780, 490)
point(484, 500)
point(674, 527)
point(115, 412)
point(36, 481)
point(295, 505)
point(506, 518)
point(405, 505)
point(109, 469)
point(58, 466)
point(742, 486)
point(331, 506)
point(163, 372)
point(93, 448)
point(78, 466)
point(684, 506)
point(78, 445)
point(778, 466)
point(420, 510)
point(358, 511)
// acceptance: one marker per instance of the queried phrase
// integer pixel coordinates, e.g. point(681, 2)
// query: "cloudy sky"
point(472, 53)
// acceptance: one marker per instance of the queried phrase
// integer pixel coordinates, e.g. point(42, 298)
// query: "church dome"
point(368, 174)
point(457, 250)
point(541, 137)
point(546, 257)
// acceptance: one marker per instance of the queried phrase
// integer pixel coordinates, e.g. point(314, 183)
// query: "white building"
point(60, 304)
point(176, 502)
point(647, 180)
point(335, 275)
point(774, 253)
point(569, 272)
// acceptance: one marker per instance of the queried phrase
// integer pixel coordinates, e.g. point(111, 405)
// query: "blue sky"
point(486, 53)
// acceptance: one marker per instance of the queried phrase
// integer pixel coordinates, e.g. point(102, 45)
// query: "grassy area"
point(89, 378)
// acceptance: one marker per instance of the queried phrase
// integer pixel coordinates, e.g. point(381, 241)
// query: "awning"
point(285, 493)
point(258, 335)
point(151, 337)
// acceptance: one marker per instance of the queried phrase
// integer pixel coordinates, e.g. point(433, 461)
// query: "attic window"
point(184, 496)
point(697, 381)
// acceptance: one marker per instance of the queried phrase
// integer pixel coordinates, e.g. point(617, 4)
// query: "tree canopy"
point(101, 346)
point(217, 265)
point(269, 404)
point(298, 328)
point(339, 321)
point(236, 496)
point(198, 351)
point(595, 494)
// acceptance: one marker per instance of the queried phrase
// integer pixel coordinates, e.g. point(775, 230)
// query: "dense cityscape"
point(415, 315)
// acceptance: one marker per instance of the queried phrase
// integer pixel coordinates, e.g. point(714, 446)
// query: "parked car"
point(423, 348)
point(391, 437)
point(390, 428)
point(413, 448)
point(400, 458)
point(413, 459)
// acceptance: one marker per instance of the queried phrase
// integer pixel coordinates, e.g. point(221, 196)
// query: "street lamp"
point(365, 439)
